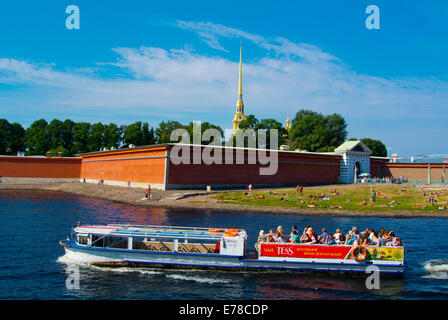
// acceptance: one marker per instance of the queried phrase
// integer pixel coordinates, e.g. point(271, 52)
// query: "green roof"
point(351, 146)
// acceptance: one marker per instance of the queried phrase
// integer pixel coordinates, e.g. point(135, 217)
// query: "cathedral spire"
point(239, 114)
point(239, 103)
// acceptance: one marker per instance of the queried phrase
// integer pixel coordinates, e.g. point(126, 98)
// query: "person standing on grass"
point(298, 190)
point(250, 189)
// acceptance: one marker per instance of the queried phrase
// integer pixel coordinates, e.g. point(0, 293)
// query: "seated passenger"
point(330, 239)
point(295, 238)
point(280, 237)
point(323, 236)
point(294, 228)
point(337, 236)
point(271, 235)
point(397, 242)
point(312, 236)
point(349, 239)
point(261, 238)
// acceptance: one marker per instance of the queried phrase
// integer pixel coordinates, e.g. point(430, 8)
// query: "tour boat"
point(219, 248)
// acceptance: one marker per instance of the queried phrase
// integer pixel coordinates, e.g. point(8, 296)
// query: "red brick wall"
point(413, 170)
point(39, 167)
point(141, 165)
point(293, 168)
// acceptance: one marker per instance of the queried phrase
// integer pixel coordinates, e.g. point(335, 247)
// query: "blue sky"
point(178, 60)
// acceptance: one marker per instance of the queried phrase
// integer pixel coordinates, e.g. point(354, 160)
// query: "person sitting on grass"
point(363, 203)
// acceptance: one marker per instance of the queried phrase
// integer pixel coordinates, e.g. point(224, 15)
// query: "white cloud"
point(287, 77)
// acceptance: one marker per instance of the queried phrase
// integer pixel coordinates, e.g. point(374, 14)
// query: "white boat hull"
point(179, 260)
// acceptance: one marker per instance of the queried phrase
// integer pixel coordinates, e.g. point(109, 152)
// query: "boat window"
point(97, 240)
point(82, 239)
point(115, 242)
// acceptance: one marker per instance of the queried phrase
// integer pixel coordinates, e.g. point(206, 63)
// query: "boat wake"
point(193, 275)
point(436, 269)
point(197, 278)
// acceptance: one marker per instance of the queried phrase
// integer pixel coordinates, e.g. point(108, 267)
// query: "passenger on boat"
point(294, 228)
point(294, 238)
point(280, 237)
point(323, 237)
point(312, 236)
point(349, 239)
point(329, 239)
point(339, 237)
point(261, 238)
point(271, 236)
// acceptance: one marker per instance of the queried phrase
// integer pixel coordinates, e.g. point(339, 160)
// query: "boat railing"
point(165, 227)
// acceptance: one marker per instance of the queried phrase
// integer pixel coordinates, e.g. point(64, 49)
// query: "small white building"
point(354, 161)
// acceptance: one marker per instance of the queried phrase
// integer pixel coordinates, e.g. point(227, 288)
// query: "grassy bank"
point(410, 201)
point(354, 198)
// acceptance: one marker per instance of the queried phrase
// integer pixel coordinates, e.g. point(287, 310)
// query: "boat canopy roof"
point(120, 230)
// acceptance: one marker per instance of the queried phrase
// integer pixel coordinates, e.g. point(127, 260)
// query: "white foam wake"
point(437, 269)
point(198, 278)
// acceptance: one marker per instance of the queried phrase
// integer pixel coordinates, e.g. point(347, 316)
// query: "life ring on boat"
point(214, 230)
point(229, 234)
point(359, 253)
point(233, 230)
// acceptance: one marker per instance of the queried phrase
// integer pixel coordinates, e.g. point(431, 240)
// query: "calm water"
point(32, 223)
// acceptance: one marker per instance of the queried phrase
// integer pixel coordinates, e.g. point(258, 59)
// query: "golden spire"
point(287, 124)
point(239, 103)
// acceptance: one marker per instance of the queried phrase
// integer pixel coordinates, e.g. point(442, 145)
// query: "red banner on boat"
point(304, 251)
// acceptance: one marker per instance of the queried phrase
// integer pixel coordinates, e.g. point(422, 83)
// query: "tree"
point(12, 137)
point(112, 136)
point(337, 130)
point(17, 138)
point(315, 132)
point(5, 129)
point(37, 138)
point(308, 131)
point(249, 122)
point(81, 137)
point(139, 134)
point(204, 126)
point(55, 133)
point(96, 137)
point(271, 124)
point(378, 148)
point(67, 137)
point(163, 132)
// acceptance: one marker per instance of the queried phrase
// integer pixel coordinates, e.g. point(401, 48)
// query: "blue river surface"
point(31, 267)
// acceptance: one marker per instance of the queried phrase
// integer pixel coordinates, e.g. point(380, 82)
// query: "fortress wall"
point(39, 169)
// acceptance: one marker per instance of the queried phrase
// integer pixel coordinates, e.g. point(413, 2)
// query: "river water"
point(32, 265)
